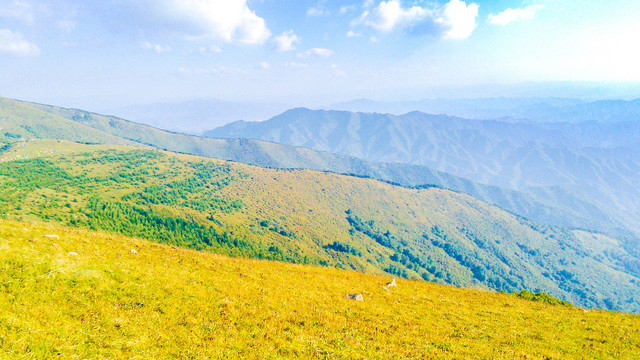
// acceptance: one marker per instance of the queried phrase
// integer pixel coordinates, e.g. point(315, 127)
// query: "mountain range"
point(596, 162)
point(536, 109)
point(24, 121)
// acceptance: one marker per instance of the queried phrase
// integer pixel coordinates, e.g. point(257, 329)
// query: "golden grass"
point(167, 302)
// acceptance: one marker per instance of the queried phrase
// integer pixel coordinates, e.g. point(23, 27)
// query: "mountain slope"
point(163, 302)
point(310, 217)
point(571, 211)
point(21, 121)
point(595, 162)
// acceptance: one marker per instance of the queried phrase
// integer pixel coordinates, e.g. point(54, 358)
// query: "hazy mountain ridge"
point(598, 162)
point(573, 211)
point(195, 116)
point(538, 109)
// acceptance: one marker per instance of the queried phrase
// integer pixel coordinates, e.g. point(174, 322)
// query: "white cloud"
point(286, 41)
point(155, 47)
point(510, 15)
point(265, 65)
point(390, 14)
point(228, 20)
point(459, 19)
point(368, 3)
point(455, 20)
point(352, 33)
point(319, 52)
point(317, 11)
point(15, 44)
point(20, 10)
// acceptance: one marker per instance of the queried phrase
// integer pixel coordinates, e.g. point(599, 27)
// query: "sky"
point(119, 52)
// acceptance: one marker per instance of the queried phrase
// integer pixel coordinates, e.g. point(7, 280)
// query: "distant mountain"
point(24, 121)
point(198, 115)
point(512, 109)
point(594, 161)
point(472, 108)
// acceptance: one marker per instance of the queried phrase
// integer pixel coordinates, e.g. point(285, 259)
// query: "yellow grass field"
point(169, 303)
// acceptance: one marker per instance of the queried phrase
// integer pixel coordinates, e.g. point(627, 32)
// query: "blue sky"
point(119, 52)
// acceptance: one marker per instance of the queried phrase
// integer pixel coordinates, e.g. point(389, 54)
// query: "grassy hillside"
point(550, 206)
point(308, 217)
point(21, 121)
point(165, 302)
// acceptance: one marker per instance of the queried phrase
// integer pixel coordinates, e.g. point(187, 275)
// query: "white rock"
point(52, 236)
point(73, 253)
point(392, 283)
point(133, 252)
point(356, 297)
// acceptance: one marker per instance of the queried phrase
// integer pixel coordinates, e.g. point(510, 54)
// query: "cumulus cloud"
point(455, 20)
point(459, 19)
point(319, 52)
point(228, 20)
point(13, 43)
point(390, 14)
point(286, 41)
point(510, 15)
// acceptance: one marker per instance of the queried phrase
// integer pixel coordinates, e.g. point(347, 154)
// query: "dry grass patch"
point(166, 302)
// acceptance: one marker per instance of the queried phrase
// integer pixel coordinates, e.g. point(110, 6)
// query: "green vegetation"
point(303, 216)
point(541, 297)
point(35, 121)
point(162, 302)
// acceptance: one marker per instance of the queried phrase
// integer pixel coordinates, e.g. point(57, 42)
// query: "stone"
point(392, 283)
point(356, 297)
point(133, 252)
point(73, 253)
point(52, 236)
